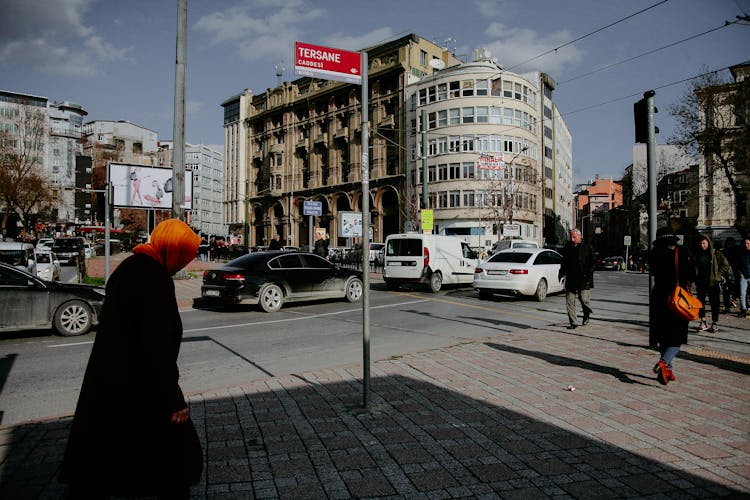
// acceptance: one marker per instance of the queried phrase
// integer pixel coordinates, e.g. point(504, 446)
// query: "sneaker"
point(714, 328)
point(703, 326)
point(742, 314)
point(572, 326)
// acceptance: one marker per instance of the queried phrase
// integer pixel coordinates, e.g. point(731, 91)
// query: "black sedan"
point(273, 278)
point(29, 303)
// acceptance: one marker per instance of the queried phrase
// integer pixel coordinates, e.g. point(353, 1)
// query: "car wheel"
point(541, 290)
point(73, 318)
point(436, 282)
point(271, 298)
point(354, 290)
point(485, 294)
point(391, 285)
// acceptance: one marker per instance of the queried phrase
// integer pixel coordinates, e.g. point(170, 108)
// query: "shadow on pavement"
point(284, 438)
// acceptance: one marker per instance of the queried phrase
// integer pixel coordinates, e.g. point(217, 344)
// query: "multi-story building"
point(489, 132)
point(600, 217)
point(65, 145)
point(302, 141)
point(206, 167)
point(723, 177)
point(677, 195)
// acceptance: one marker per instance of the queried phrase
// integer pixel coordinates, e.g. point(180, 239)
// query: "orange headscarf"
point(173, 244)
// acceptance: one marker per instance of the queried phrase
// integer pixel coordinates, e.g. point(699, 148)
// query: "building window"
point(455, 199)
point(468, 170)
point(496, 115)
point(482, 114)
point(442, 93)
point(454, 171)
point(455, 116)
point(454, 89)
point(442, 118)
point(467, 88)
point(454, 144)
point(443, 172)
point(468, 115)
point(431, 120)
point(423, 58)
point(442, 147)
point(442, 199)
point(481, 86)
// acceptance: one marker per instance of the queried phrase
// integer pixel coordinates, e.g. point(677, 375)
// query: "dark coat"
point(577, 266)
point(122, 441)
point(665, 327)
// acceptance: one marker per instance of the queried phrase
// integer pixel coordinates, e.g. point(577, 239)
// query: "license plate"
point(497, 272)
point(396, 263)
point(211, 293)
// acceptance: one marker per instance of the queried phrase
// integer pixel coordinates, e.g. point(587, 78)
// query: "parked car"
point(272, 279)
point(611, 264)
point(19, 254)
point(30, 303)
point(88, 249)
point(47, 265)
point(430, 260)
point(44, 243)
point(70, 249)
point(520, 271)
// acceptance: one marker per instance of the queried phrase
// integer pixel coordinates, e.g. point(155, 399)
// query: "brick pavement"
point(485, 419)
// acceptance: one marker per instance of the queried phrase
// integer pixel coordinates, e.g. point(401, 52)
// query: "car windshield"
point(66, 244)
point(513, 257)
point(43, 258)
point(12, 257)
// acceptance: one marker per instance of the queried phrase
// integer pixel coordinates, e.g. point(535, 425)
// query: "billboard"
point(141, 186)
point(350, 224)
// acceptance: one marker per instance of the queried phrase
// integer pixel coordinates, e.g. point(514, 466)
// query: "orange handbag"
point(681, 301)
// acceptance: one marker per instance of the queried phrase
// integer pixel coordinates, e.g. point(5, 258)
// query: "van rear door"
point(403, 257)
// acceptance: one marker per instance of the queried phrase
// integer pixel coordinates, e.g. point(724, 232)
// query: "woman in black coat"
point(667, 330)
point(132, 434)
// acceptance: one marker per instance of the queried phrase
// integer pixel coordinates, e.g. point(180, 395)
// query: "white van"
point(427, 259)
point(19, 254)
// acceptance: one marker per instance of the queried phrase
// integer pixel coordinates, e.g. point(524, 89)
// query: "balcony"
point(321, 138)
point(303, 143)
point(343, 132)
point(277, 148)
point(387, 121)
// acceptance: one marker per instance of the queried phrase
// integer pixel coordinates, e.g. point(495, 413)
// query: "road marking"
point(72, 344)
point(484, 308)
point(303, 316)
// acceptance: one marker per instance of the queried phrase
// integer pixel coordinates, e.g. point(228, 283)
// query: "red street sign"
point(327, 63)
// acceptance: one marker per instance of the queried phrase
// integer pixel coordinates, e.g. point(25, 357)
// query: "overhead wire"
point(587, 35)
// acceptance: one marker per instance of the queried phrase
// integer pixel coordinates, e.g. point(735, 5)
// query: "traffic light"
point(640, 117)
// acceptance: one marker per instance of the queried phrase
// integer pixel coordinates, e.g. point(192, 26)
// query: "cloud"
point(262, 28)
point(355, 43)
point(518, 49)
point(51, 38)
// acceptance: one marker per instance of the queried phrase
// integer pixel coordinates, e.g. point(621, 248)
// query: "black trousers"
point(712, 291)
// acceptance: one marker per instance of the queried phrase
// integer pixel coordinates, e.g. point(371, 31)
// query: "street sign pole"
point(365, 235)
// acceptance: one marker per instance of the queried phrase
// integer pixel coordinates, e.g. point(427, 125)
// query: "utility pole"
point(178, 155)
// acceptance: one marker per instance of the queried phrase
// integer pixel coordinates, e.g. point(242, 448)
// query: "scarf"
point(173, 244)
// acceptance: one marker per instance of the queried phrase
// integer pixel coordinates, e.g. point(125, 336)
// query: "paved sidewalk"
point(482, 419)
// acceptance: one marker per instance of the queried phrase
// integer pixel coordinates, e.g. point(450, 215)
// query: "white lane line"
point(71, 344)
point(301, 318)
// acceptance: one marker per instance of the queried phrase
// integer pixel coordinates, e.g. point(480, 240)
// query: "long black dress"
point(121, 440)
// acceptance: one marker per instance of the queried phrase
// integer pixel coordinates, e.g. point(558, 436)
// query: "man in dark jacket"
point(578, 269)
point(275, 243)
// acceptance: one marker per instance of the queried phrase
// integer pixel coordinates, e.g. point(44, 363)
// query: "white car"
point(88, 249)
point(44, 243)
point(47, 266)
point(520, 271)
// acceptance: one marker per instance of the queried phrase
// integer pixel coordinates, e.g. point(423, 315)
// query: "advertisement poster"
point(350, 224)
point(141, 186)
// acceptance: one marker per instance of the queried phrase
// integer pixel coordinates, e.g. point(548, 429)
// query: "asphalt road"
point(42, 373)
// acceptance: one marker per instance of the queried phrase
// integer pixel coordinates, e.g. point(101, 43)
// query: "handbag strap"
point(676, 266)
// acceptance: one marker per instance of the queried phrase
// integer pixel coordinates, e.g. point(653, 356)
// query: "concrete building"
point(206, 167)
point(491, 153)
point(301, 141)
point(65, 145)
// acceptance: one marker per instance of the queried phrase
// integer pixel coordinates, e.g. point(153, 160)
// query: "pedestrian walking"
point(667, 330)
point(730, 281)
point(578, 269)
point(132, 434)
point(710, 265)
point(321, 245)
point(743, 274)
point(275, 243)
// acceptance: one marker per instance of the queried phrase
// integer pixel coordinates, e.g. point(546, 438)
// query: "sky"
point(117, 59)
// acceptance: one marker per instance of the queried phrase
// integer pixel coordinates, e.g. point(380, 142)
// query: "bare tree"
point(23, 185)
point(712, 119)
